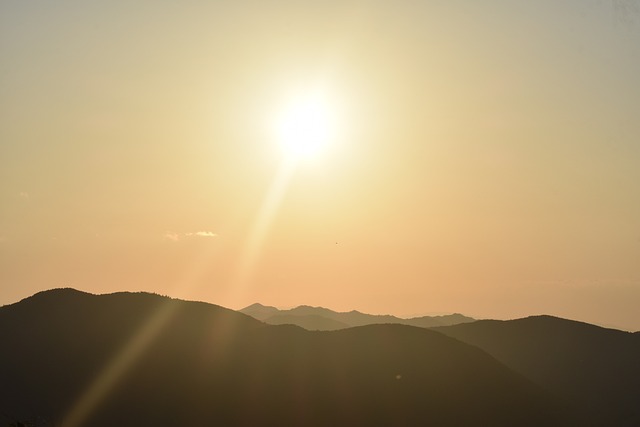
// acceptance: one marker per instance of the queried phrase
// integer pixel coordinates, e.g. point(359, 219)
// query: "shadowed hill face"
point(62, 339)
point(310, 322)
point(311, 318)
point(208, 365)
point(594, 368)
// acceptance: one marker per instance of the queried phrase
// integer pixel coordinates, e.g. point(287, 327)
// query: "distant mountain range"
point(72, 359)
point(323, 319)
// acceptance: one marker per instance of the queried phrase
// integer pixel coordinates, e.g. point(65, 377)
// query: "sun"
point(306, 125)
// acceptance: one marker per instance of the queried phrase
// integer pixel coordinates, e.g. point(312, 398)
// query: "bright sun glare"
point(305, 126)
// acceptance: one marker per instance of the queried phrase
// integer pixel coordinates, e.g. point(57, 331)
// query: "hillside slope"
point(597, 370)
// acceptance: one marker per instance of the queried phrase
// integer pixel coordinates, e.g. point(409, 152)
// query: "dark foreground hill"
point(596, 370)
point(69, 358)
point(323, 319)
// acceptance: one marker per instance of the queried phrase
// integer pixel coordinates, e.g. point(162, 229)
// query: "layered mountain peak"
point(321, 318)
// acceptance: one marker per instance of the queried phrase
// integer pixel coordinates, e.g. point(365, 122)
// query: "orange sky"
point(488, 162)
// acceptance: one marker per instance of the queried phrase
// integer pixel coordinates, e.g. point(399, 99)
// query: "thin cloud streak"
point(170, 235)
point(202, 234)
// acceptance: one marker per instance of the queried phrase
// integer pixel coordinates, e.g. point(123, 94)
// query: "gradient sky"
point(488, 162)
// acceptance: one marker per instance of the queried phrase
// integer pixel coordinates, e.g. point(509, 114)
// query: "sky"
point(486, 157)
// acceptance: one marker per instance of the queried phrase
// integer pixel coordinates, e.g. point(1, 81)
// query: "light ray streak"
point(119, 365)
point(260, 228)
point(109, 377)
point(122, 362)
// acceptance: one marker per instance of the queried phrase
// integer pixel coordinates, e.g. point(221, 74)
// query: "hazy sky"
point(487, 162)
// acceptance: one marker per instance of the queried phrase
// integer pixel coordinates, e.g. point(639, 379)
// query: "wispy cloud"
point(24, 195)
point(170, 235)
point(202, 234)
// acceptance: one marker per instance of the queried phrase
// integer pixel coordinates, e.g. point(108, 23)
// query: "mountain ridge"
point(204, 364)
point(300, 316)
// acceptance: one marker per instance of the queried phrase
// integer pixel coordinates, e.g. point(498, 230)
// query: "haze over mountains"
point(127, 359)
point(324, 319)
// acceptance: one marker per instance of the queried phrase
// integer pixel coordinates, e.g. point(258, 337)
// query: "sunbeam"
point(260, 228)
point(109, 377)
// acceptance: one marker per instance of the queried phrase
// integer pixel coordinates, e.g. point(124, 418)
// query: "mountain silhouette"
point(70, 358)
point(310, 322)
point(259, 311)
point(313, 318)
point(594, 369)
